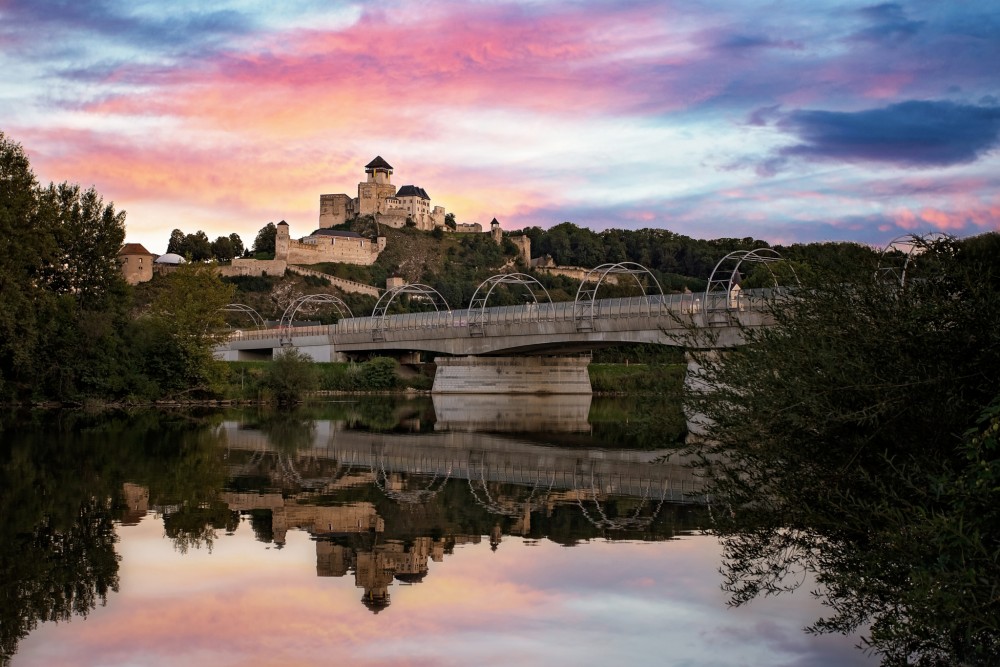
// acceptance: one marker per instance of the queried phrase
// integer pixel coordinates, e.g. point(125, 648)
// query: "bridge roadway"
point(565, 328)
point(478, 458)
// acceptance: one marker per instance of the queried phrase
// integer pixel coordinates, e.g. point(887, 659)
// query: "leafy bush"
point(290, 375)
point(380, 373)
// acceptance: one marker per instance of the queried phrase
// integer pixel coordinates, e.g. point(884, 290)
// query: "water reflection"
point(382, 499)
point(500, 413)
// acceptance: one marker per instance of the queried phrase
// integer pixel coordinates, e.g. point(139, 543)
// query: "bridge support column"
point(695, 382)
point(512, 375)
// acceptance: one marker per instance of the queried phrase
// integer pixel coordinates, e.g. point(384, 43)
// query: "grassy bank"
point(249, 380)
point(666, 380)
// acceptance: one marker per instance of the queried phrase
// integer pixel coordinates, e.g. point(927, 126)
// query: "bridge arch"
point(477, 306)
point(255, 317)
point(898, 256)
point(293, 308)
point(591, 283)
point(723, 290)
point(380, 317)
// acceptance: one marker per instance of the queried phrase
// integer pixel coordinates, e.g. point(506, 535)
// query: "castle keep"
point(378, 197)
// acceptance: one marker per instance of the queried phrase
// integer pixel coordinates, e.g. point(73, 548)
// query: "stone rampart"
point(342, 284)
point(350, 250)
point(254, 267)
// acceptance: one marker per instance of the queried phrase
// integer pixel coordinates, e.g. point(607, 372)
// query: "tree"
point(223, 250)
point(197, 247)
point(264, 243)
point(176, 243)
point(60, 285)
point(844, 441)
point(186, 317)
point(88, 235)
point(290, 375)
point(237, 242)
point(24, 247)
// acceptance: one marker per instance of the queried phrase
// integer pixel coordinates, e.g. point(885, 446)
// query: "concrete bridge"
point(519, 349)
point(528, 348)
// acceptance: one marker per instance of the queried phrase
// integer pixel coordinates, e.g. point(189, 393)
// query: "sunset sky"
point(787, 121)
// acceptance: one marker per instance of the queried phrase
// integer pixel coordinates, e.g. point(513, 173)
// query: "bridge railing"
point(564, 311)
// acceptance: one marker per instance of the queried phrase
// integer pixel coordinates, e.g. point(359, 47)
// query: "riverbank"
point(246, 385)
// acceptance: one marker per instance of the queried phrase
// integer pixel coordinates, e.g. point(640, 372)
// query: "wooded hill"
point(455, 264)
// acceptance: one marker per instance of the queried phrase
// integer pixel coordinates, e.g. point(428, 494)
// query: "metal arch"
point(289, 315)
point(637, 521)
point(477, 306)
point(586, 295)
point(258, 321)
point(380, 477)
point(909, 246)
point(380, 317)
point(719, 293)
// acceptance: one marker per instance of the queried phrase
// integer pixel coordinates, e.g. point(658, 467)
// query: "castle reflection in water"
point(383, 505)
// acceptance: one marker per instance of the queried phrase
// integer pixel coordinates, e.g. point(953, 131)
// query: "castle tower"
point(495, 231)
point(373, 191)
point(281, 239)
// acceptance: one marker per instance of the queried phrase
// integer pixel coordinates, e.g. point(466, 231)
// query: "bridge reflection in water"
point(512, 413)
point(436, 490)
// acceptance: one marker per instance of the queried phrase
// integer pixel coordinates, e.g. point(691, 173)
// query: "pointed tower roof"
point(378, 163)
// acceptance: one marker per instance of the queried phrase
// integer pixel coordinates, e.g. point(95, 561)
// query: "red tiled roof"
point(134, 249)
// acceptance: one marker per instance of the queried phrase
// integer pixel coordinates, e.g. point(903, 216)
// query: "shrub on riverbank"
point(662, 379)
point(259, 380)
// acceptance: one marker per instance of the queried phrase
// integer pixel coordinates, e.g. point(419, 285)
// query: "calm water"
point(482, 531)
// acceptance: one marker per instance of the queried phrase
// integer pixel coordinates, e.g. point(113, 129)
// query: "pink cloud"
point(984, 218)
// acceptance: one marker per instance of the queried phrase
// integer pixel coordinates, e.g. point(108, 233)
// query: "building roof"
point(282, 223)
point(336, 232)
point(413, 191)
point(378, 163)
point(134, 249)
point(169, 258)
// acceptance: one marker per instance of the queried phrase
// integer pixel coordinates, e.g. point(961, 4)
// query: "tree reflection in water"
point(380, 501)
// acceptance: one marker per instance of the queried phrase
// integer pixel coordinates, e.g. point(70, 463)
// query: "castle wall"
point(334, 210)
point(395, 218)
point(574, 272)
point(344, 285)
point(254, 267)
point(334, 249)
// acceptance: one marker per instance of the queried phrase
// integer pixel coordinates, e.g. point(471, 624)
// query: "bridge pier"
point(512, 375)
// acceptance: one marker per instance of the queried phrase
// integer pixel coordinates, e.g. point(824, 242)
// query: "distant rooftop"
point(413, 191)
point(134, 249)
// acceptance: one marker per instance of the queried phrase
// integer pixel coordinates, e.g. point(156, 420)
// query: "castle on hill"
point(378, 197)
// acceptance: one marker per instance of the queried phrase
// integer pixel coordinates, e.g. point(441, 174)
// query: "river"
point(375, 531)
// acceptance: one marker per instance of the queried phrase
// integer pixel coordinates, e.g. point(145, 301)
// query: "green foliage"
point(61, 289)
point(264, 242)
point(835, 444)
point(316, 281)
point(380, 373)
point(252, 283)
point(290, 376)
point(185, 327)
